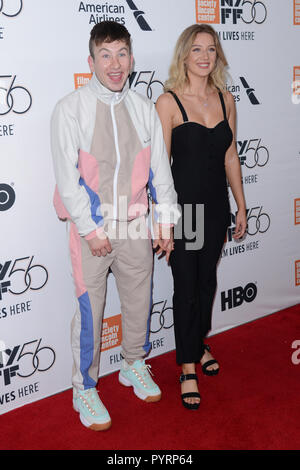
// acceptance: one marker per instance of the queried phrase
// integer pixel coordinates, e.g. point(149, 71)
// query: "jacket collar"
point(106, 95)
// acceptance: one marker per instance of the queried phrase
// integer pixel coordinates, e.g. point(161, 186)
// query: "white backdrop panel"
point(43, 44)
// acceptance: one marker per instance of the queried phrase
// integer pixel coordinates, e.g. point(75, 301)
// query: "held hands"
point(241, 224)
point(162, 244)
point(164, 240)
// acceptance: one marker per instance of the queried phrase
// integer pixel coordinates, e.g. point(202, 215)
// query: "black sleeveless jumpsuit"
point(198, 170)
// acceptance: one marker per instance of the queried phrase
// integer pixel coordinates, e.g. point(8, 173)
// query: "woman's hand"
point(163, 243)
point(241, 224)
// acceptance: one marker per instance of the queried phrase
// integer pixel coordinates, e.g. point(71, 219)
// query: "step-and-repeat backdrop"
point(43, 50)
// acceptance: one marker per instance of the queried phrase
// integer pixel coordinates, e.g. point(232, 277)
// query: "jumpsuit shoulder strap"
point(184, 115)
point(223, 104)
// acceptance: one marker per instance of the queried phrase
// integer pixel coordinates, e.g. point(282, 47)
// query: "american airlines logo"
point(139, 16)
point(250, 91)
point(108, 11)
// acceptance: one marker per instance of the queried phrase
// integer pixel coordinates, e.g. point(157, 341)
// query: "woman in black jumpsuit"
point(203, 157)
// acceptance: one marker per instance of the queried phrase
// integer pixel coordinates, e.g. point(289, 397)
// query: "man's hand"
point(100, 246)
point(164, 241)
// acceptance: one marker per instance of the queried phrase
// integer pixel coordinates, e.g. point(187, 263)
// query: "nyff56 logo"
point(145, 82)
point(13, 96)
point(230, 11)
point(252, 153)
point(258, 221)
point(20, 275)
point(11, 8)
point(25, 360)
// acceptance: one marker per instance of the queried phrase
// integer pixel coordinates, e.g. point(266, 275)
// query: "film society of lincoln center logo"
point(297, 272)
point(297, 211)
point(231, 11)
point(297, 222)
point(296, 12)
point(81, 79)
point(296, 83)
point(161, 319)
point(111, 332)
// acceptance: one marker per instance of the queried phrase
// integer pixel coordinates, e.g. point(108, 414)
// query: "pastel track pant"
point(131, 262)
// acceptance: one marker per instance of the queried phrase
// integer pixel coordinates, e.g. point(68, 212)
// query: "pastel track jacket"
point(107, 149)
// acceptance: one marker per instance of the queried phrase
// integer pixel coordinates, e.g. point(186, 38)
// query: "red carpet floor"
point(253, 404)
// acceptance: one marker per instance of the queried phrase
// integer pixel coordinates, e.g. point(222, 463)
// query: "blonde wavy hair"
point(178, 78)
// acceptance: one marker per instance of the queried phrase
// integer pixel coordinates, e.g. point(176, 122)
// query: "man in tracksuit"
point(108, 147)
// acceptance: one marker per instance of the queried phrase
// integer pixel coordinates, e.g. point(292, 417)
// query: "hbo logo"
point(236, 296)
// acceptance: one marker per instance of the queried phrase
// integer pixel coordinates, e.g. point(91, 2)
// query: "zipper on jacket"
point(115, 185)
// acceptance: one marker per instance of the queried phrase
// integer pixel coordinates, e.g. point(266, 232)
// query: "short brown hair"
point(108, 31)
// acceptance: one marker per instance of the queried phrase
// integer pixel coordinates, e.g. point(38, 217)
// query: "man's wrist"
point(98, 233)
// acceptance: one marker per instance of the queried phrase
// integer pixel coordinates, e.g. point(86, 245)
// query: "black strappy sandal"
point(190, 406)
point(209, 363)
